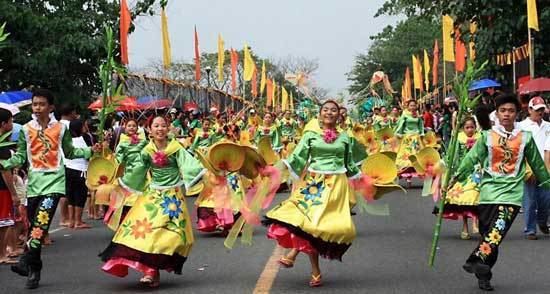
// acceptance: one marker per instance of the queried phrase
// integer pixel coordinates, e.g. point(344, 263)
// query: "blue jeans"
point(535, 207)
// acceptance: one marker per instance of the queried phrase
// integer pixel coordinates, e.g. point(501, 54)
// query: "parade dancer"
point(43, 143)
point(409, 129)
point(504, 152)
point(203, 137)
point(462, 199)
point(156, 234)
point(271, 130)
point(316, 218)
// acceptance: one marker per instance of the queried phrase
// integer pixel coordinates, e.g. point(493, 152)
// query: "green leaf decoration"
point(303, 204)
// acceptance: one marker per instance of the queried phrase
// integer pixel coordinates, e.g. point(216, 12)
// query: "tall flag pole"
point(426, 71)
point(197, 57)
point(460, 53)
point(254, 84)
point(263, 79)
point(448, 52)
point(284, 98)
point(269, 92)
point(248, 64)
point(166, 49)
point(234, 65)
point(472, 45)
point(221, 57)
point(125, 22)
point(435, 65)
point(532, 23)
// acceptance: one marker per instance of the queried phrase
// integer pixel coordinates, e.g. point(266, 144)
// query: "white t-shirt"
point(540, 132)
point(547, 144)
point(493, 117)
point(79, 164)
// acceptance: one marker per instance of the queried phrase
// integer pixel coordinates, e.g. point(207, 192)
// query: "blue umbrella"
point(17, 98)
point(483, 84)
point(15, 132)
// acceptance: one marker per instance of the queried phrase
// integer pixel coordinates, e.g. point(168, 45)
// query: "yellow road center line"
point(266, 279)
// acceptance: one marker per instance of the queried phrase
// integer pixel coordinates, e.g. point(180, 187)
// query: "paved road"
point(389, 256)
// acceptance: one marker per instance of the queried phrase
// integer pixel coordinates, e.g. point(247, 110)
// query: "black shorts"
point(76, 190)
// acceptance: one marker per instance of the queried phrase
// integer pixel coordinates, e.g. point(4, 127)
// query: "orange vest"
point(44, 147)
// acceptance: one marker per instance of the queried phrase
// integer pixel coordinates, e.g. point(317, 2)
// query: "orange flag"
point(460, 53)
point(254, 83)
point(125, 22)
point(435, 65)
point(269, 86)
point(197, 57)
point(407, 84)
point(234, 64)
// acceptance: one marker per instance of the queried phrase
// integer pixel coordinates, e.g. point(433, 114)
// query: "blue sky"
point(331, 31)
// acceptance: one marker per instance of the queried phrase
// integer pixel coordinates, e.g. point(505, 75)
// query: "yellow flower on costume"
point(494, 237)
point(43, 218)
point(141, 228)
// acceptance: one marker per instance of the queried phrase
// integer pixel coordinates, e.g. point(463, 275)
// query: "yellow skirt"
point(410, 145)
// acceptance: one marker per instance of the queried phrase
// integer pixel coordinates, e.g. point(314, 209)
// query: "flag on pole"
point(263, 79)
point(248, 64)
point(269, 92)
point(284, 98)
point(125, 22)
point(448, 28)
point(254, 83)
point(417, 73)
point(221, 57)
point(460, 51)
point(426, 70)
point(234, 64)
point(274, 95)
point(197, 57)
point(532, 18)
point(291, 102)
point(166, 50)
point(435, 65)
point(408, 84)
point(472, 44)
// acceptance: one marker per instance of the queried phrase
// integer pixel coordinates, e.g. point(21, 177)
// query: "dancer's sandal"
point(315, 281)
point(286, 262)
point(150, 281)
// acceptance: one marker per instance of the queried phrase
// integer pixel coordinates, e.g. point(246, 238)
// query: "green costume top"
point(382, 122)
point(322, 157)
point(407, 124)
point(172, 167)
point(359, 151)
point(202, 140)
point(44, 150)
point(216, 137)
point(195, 124)
point(273, 132)
point(127, 153)
point(289, 127)
point(503, 157)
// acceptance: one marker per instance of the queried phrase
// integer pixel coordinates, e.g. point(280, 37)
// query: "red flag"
point(460, 53)
point(254, 83)
point(125, 22)
point(197, 57)
point(435, 65)
point(269, 92)
point(234, 63)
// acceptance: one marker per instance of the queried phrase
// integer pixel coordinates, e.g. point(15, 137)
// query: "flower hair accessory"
point(160, 159)
point(330, 135)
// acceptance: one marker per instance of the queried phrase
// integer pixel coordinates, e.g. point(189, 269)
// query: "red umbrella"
point(157, 104)
point(536, 85)
point(189, 106)
point(126, 104)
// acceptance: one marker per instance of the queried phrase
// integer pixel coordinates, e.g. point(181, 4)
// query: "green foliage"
point(391, 52)
point(502, 25)
point(58, 44)
point(3, 35)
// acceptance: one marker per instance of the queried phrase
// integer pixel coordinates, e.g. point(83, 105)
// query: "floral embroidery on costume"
point(172, 206)
point(493, 239)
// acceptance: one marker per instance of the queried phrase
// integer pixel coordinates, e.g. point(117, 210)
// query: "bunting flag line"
point(519, 54)
point(248, 64)
point(435, 65)
point(234, 64)
point(532, 17)
point(269, 92)
point(426, 70)
point(448, 28)
point(197, 57)
point(284, 98)
point(460, 53)
point(263, 79)
point(166, 49)
point(125, 22)
point(221, 57)
point(472, 45)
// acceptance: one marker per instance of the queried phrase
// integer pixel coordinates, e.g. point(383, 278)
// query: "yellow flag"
point(473, 30)
point(284, 99)
point(416, 73)
point(448, 43)
point(221, 57)
point(263, 79)
point(248, 64)
point(532, 18)
point(166, 50)
point(291, 102)
point(426, 70)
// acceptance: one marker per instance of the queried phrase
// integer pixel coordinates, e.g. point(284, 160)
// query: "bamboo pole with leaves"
point(111, 94)
point(465, 104)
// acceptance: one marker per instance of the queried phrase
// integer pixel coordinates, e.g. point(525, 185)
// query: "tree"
point(58, 44)
point(391, 52)
point(502, 25)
